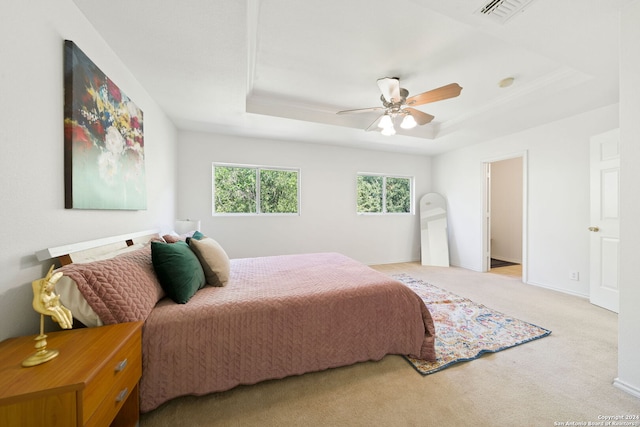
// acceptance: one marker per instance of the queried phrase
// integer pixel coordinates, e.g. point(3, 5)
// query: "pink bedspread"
point(279, 316)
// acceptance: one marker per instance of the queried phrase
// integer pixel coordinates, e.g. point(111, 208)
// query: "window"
point(240, 189)
point(384, 194)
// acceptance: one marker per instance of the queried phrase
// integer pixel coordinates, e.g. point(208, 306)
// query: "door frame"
point(486, 210)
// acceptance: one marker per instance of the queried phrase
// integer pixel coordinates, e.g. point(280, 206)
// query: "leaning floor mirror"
point(433, 230)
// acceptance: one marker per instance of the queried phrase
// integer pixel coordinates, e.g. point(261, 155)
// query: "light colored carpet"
point(565, 377)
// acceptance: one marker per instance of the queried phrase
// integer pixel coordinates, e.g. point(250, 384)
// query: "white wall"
point(328, 221)
point(506, 210)
point(558, 197)
point(629, 316)
point(31, 159)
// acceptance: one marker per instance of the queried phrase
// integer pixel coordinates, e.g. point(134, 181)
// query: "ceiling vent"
point(503, 10)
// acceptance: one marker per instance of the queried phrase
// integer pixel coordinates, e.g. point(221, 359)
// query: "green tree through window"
point(398, 195)
point(383, 194)
point(234, 190)
point(278, 191)
point(369, 193)
point(254, 190)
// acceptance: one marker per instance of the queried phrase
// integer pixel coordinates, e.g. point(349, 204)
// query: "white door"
point(605, 219)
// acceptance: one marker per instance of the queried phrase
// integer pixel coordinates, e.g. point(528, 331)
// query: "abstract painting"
point(103, 139)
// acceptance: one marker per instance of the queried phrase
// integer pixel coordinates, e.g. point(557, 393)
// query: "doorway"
point(505, 207)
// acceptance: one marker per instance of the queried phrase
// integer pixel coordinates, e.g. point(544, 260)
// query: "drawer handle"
point(120, 366)
point(120, 397)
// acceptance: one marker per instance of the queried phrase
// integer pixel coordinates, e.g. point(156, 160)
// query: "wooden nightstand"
point(92, 382)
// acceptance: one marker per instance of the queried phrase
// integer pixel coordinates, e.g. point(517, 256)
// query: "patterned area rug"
point(464, 329)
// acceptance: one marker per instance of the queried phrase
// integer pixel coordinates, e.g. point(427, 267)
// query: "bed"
point(274, 317)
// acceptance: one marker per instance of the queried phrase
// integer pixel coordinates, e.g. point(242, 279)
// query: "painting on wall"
point(103, 139)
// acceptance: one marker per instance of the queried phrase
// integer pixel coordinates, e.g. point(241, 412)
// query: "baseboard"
point(627, 388)
point(553, 288)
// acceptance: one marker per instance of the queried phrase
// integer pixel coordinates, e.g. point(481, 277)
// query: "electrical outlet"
point(574, 275)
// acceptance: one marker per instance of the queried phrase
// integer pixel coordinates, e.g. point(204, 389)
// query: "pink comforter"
point(279, 316)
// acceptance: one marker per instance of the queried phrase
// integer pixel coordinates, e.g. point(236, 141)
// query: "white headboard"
point(75, 252)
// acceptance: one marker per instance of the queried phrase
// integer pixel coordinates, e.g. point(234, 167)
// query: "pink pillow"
point(121, 289)
point(170, 238)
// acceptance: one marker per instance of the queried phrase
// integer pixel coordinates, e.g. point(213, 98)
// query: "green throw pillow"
point(178, 270)
point(197, 235)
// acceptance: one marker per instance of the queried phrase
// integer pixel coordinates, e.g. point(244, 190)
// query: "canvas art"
point(103, 138)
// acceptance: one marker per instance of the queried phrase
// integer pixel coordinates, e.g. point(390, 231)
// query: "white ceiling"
point(282, 68)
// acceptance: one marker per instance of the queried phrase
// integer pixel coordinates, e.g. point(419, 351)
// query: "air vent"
point(503, 10)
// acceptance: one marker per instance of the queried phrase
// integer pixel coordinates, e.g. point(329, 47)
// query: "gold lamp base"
point(42, 354)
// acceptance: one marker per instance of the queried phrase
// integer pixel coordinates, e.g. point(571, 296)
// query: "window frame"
point(257, 169)
point(384, 193)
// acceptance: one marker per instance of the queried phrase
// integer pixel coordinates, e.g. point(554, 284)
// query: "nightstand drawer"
point(113, 384)
point(123, 389)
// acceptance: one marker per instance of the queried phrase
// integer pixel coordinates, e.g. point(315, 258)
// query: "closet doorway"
point(505, 216)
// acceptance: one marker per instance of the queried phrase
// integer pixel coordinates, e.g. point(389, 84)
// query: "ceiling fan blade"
point(360, 110)
point(420, 117)
point(374, 125)
point(390, 88)
point(445, 92)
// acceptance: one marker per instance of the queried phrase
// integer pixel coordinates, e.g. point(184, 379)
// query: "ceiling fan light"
point(388, 131)
point(408, 122)
point(385, 122)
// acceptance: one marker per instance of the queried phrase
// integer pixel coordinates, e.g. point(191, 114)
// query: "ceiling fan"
point(396, 105)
